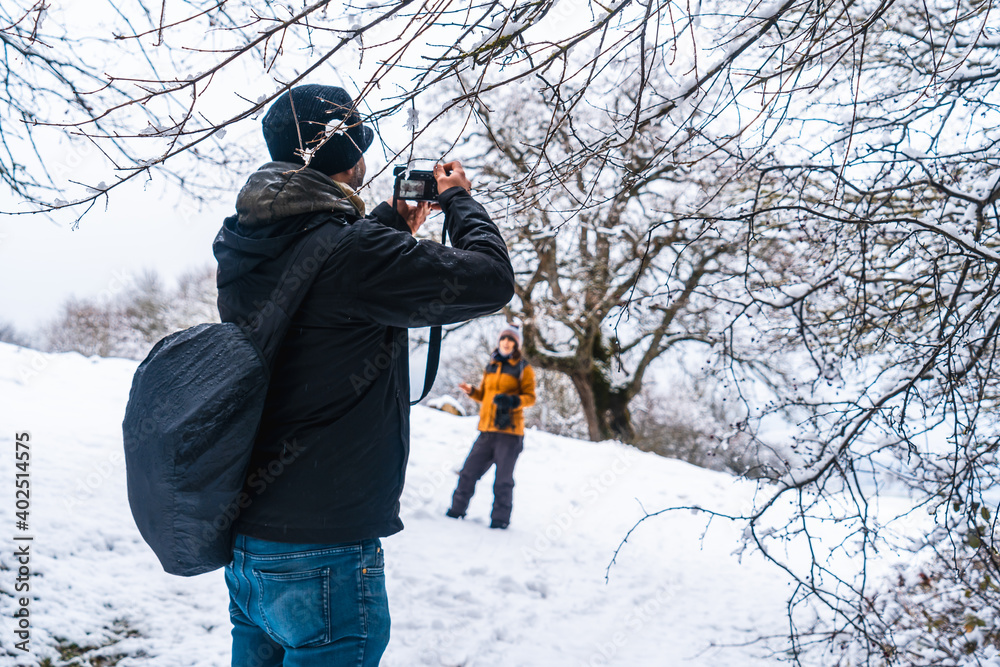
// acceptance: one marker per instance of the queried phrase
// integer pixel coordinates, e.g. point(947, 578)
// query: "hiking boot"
point(454, 515)
point(499, 524)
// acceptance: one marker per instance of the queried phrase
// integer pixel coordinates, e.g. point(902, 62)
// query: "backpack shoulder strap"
point(268, 324)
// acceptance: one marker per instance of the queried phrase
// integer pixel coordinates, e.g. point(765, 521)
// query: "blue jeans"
point(299, 605)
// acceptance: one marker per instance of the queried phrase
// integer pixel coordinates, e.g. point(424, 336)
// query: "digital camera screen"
point(412, 189)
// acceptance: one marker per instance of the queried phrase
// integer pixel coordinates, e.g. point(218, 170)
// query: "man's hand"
point(451, 174)
point(414, 215)
point(465, 387)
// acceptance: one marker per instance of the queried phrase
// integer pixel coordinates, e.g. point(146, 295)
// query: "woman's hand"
point(466, 388)
point(507, 401)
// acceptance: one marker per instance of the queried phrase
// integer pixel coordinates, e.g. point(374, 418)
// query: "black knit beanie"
point(316, 107)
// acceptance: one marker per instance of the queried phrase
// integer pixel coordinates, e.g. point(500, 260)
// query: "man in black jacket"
point(306, 583)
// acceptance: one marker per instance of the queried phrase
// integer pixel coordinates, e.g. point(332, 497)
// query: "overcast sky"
point(42, 263)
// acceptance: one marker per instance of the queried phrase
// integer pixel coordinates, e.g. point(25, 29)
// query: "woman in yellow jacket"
point(508, 387)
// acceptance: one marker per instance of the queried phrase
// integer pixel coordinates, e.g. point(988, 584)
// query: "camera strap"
point(433, 357)
point(433, 347)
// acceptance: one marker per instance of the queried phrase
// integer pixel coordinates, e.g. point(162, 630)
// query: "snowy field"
point(460, 594)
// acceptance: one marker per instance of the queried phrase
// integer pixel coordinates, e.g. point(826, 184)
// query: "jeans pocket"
point(295, 606)
point(373, 561)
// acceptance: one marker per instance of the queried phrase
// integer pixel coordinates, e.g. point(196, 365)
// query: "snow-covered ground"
point(539, 593)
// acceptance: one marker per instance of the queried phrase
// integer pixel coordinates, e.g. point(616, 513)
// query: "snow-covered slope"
point(539, 593)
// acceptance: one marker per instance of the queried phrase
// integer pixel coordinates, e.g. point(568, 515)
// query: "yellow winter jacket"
point(501, 377)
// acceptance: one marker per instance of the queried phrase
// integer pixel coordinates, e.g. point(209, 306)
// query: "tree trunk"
point(618, 418)
point(587, 403)
point(606, 411)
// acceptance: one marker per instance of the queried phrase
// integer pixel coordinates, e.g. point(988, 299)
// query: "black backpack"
point(192, 417)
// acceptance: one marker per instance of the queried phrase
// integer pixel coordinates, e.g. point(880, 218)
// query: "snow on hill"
point(460, 593)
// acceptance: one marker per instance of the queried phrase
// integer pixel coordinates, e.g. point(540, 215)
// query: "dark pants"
point(490, 448)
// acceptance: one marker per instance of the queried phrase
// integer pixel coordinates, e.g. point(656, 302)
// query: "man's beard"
point(357, 179)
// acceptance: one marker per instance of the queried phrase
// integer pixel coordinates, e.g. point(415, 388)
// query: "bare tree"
point(142, 85)
point(90, 328)
point(892, 219)
point(609, 280)
point(871, 261)
point(129, 324)
point(10, 334)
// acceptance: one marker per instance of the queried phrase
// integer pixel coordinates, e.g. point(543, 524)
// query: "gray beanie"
point(314, 107)
point(512, 329)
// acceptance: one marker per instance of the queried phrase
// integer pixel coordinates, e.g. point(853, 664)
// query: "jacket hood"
point(280, 190)
point(272, 211)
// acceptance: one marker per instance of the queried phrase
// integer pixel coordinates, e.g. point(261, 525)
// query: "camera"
point(416, 186)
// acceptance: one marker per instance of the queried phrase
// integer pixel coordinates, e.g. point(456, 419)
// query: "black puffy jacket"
point(330, 455)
